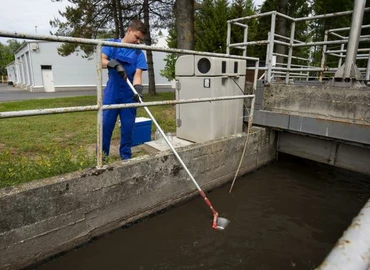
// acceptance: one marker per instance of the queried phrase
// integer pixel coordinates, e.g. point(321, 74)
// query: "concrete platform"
point(161, 145)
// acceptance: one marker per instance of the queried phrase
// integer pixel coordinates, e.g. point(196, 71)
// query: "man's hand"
point(139, 90)
point(118, 67)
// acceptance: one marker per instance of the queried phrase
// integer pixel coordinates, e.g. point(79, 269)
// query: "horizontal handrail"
point(23, 113)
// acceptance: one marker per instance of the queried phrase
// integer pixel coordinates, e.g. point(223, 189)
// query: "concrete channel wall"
point(323, 123)
point(49, 216)
point(325, 102)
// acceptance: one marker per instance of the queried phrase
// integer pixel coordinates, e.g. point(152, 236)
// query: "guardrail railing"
point(273, 69)
point(99, 107)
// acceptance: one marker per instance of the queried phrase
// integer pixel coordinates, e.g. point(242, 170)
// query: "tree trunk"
point(149, 54)
point(120, 19)
point(115, 18)
point(184, 14)
point(281, 29)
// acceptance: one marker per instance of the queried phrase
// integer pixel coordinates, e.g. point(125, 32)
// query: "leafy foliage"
point(211, 26)
point(7, 54)
point(169, 70)
point(294, 9)
point(240, 9)
point(320, 26)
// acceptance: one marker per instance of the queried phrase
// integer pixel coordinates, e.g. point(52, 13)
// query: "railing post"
point(367, 77)
point(354, 36)
point(99, 100)
point(228, 38)
point(341, 54)
point(245, 40)
point(292, 30)
point(323, 57)
point(271, 47)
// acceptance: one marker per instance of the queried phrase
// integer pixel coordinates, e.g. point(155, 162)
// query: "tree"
point(99, 19)
point(240, 9)
point(295, 9)
point(169, 70)
point(7, 54)
point(184, 14)
point(211, 26)
point(320, 26)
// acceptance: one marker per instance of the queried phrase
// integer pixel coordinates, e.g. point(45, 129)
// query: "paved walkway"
point(10, 93)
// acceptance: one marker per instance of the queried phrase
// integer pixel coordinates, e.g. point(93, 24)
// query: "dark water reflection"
point(287, 215)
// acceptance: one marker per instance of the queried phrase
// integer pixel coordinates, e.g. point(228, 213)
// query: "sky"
point(33, 16)
point(29, 16)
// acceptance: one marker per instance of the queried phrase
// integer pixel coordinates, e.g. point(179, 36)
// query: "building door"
point(47, 78)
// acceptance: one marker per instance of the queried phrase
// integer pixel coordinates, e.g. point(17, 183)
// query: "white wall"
point(71, 71)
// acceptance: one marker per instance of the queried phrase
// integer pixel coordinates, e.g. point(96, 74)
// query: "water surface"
point(287, 215)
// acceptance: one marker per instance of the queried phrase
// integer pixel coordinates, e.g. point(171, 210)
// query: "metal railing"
point(308, 70)
point(99, 107)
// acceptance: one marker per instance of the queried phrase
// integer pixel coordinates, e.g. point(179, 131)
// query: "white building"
point(10, 70)
point(39, 68)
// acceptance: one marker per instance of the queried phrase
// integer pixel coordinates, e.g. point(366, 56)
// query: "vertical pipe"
point(308, 64)
point(290, 54)
point(99, 100)
point(228, 38)
point(245, 40)
point(267, 56)
point(354, 36)
point(323, 56)
point(367, 77)
point(271, 46)
point(341, 54)
point(255, 77)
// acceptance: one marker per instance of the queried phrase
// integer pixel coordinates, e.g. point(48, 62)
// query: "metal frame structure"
point(292, 70)
point(99, 107)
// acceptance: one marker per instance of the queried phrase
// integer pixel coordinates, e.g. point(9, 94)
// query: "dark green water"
point(287, 215)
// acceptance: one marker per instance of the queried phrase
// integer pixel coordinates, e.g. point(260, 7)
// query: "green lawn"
point(37, 147)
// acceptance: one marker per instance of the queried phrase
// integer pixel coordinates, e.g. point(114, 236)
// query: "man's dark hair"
point(137, 25)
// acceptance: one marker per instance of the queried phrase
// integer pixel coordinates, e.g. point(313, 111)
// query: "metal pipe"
point(323, 16)
point(281, 42)
point(255, 77)
point(343, 50)
point(357, 17)
point(271, 46)
point(285, 16)
point(228, 38)
point(293, 57)
point(288, 38)
point(293, 65)
point(337, 55)
point(367, 76)
point(348, 28)
point(251, 17)
point(307, 69)
point(240, 24)
point(341, 55)
point(290, 53)
point(292, 73)
point(118, 44)
point(115, 106)
point(258, 42)
point(344, 41)
point(337, 35)
point(245, 39)
point(352, 249)
point(99, 104)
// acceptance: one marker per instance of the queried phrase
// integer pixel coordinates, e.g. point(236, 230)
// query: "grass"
point(37, 147)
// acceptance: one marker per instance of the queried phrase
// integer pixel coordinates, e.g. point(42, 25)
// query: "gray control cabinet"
point(205, 77)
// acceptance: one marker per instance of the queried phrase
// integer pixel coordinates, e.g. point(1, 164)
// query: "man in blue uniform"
point(123, 63)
